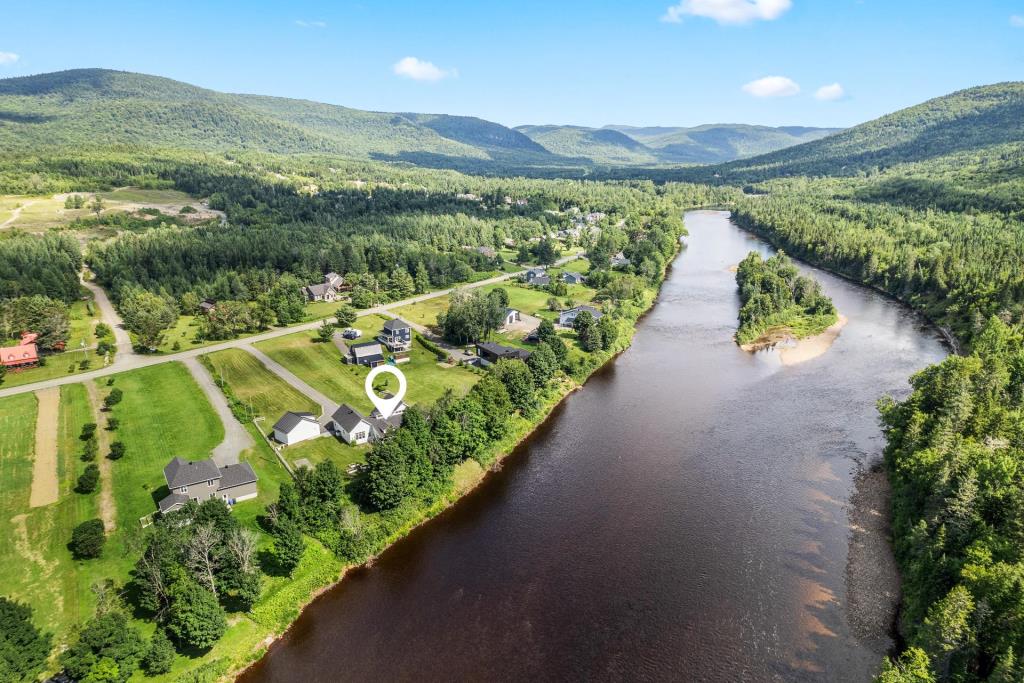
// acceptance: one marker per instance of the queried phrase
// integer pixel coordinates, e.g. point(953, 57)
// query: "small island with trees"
point(778, 304)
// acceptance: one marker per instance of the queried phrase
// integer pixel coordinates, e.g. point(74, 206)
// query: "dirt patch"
point(872, 577)
point(108, 508)
point(45, 486)
point(793, 351)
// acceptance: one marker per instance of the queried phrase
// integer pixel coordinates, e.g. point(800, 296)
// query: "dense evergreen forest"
point(774, 296)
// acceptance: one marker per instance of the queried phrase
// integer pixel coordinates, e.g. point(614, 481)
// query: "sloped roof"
point(290, 421)
point(319, 290)
point(236, 475)
point(396, 324)
point(347, 417)
point(179, 472)
point(172, 501)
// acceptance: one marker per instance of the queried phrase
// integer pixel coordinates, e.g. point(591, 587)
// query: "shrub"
point(88, 430)
point(89, 449)
point(89, 480)
point(438, 352)
point(87, 539)
point(116, 450)
point(160, 656)
point(112, 424)
point(113, 398)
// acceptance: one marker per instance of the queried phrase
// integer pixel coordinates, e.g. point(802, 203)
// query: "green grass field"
point(267, 394)
point(139, 196)
point(320, 365)
point(164, 414)
point(326, 448)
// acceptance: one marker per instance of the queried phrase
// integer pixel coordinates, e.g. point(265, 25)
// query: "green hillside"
point(600, 145)
point(661, 145)
point(99, 108)
point(962, 122)
point(715, 143)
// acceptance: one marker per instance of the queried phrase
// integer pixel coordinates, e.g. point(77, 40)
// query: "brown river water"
point(682, 517)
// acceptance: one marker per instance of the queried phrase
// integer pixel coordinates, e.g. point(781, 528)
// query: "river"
point(683, 517)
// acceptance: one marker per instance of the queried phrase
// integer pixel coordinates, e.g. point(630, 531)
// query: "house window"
point(360, 436)
point(209, 482)
point(183, 489)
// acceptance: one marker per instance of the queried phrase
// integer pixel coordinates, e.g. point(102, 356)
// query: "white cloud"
point(830, 92)
point(772, 86)
point(419, 70)
point(310, 24)
point(1017, 21)
point(728, 11)
point(8, 58)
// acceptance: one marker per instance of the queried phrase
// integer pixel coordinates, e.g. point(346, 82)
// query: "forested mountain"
point(967, 121)
point(98, 108)
point(597, 144)
point(633, 145)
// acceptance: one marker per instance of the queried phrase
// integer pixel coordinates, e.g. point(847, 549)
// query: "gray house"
point(568, 317)
point(202, 480)
point(396, 335)
point(369, 354)
point(537, 276)
point(573, 278)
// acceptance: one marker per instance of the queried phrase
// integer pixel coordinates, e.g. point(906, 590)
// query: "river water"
point(683, 517)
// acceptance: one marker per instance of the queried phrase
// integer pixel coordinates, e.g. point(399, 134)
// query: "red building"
point(24, 355)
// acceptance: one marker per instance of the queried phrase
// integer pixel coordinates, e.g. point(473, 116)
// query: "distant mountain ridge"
point(984, 123)
point(97, 108)
point(707, 144)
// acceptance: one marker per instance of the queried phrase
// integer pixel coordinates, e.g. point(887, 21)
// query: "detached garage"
point(295, 427)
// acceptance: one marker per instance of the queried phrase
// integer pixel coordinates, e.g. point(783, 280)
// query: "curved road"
point(125, 361)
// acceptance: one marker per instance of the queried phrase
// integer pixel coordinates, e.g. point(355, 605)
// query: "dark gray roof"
point(172, 501)
point(396, 324)
point(180, 472)
point(540, 280)
point(385, 426)
point(502, 351)
point(319, 290)
point(290, 420)
point(571, 275)
point(347, 417)
point(236, 475)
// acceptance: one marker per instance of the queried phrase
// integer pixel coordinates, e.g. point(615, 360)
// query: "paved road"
point(236, 438)
point(132, 361)
point(327, 406)
point(110, 316)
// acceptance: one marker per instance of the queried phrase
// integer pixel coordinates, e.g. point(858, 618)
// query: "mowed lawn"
point(163, 414)
point(326, 448)
point(267, 394)
point(321, 366)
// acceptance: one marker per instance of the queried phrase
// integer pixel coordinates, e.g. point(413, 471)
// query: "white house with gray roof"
point(295, 427)
point(353, 428)
point(202, 480)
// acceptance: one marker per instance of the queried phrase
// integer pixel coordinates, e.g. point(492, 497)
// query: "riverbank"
point(470, 475)
point(872, 575)
point(798, 347)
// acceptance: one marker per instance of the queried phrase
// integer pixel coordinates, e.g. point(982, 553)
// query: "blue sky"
point(643, 62)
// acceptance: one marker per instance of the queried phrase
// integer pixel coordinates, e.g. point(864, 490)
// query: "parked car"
point(351, 333)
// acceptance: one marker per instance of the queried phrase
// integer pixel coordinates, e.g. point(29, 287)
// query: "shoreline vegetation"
point(780, 306)
point(470, 474)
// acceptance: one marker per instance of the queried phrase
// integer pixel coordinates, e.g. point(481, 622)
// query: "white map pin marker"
point(386, 406)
